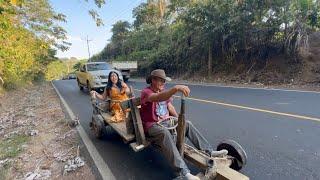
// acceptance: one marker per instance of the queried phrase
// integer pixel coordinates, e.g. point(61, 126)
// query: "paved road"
point(278, 146)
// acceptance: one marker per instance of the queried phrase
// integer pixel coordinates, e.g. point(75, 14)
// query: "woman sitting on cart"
point(116, 90)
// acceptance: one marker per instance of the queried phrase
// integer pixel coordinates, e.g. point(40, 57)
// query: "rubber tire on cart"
point(236, 151)
point(98, 126)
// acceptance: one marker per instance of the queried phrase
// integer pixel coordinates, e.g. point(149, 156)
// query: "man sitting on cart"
point(156, 110)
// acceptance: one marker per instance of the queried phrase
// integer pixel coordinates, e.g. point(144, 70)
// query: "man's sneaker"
point(189, 176)
point(220, 153)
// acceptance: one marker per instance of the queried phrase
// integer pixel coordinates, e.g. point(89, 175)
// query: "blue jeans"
point(162, 139)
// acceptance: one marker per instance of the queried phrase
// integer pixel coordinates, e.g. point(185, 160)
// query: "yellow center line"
point(252, 109)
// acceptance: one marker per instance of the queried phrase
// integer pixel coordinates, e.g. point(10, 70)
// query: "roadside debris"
point(32, 132)
point(74, 122)
point(2, 162)
point(10, 134)
point(73, 164)
point(36, 140)
point(39, 174)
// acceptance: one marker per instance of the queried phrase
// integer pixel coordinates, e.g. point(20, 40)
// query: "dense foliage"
point(29, 38)
point(181, 36)
point(28, 34)
point(187, 36)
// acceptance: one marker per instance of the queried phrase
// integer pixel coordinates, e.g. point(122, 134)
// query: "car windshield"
point(98, 66)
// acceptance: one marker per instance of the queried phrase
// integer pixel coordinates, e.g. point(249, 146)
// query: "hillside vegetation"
point(29, 35)
point(259, 40)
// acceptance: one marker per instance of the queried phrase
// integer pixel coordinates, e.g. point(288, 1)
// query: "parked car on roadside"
point(72, 76)
point(69, 76)
point(94, 75)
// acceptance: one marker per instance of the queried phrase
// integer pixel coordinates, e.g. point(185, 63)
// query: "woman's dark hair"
point(109, 85)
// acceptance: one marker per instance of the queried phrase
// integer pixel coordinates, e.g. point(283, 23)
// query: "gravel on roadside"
point(36, 142)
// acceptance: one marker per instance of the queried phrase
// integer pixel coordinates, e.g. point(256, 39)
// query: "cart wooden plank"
point(120, 127)
point(195, 158)
point(126, 104)
point(226, 173)
point(137, 123)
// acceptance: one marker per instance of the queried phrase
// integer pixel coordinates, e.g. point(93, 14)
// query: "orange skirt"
point(118, 114)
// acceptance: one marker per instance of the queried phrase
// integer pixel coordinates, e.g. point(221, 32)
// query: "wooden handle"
point(181, 129)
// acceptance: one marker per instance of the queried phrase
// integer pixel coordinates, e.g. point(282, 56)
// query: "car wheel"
point(89, 87)
point(125, 79)
point(80, 87)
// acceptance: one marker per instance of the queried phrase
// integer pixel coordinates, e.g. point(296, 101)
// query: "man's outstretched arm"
point(165, 95)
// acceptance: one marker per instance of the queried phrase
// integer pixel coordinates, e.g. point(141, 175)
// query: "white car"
point(94, 75)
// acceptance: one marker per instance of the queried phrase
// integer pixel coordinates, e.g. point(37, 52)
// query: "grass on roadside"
point(4, 170)
point(10, 148)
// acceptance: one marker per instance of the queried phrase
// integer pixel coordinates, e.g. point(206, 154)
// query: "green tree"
point(77, 65)
point(38, 17)
point(56, 70)
point(208, 36)
point(25, 46)
point(120, 32)
point(145, 14)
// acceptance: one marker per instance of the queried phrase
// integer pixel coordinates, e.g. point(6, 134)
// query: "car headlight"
point(96, 77)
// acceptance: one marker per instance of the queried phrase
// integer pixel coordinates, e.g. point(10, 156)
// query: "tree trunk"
point(285, 20)
point(1, 80)
point(162, 8)
point(210, 60)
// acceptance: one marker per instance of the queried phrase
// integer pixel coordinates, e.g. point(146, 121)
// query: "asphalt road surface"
point(279, 130)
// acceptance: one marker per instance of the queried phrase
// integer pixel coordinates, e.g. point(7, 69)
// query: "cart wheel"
point(98, 126)
point(95, 110)
point(236, 151)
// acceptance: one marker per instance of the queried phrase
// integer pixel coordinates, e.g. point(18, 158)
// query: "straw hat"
point(160, 73)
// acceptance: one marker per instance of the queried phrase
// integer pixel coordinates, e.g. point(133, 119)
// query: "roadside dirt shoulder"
point(36, 142)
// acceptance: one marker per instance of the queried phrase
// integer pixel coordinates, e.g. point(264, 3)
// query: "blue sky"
point(80, 24)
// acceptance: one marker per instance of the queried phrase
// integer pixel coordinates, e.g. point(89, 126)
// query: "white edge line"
point(102, 167)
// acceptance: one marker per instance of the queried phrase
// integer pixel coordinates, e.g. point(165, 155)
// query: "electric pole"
point(88, 40)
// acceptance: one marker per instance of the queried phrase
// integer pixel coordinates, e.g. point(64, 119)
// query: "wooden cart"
point(131, 131)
